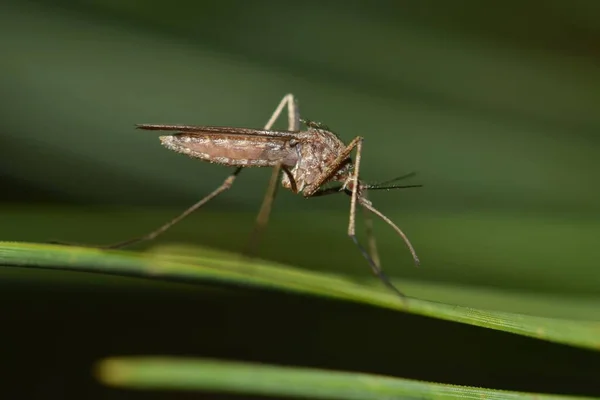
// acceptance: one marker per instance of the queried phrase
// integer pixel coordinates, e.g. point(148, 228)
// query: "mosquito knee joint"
point(229, 181)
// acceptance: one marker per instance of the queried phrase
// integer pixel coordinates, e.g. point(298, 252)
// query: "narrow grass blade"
point(162, 373)
point(212, 266)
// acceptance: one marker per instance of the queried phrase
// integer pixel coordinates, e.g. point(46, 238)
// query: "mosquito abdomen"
point(233, 150)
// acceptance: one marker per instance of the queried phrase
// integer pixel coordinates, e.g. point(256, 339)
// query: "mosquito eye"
point(349, 184)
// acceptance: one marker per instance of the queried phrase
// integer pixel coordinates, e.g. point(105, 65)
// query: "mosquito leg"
point(293, 113)
point(367, 204)
point(352, 224)
point(368, 222)
point(372, 243)
point(227, 183)
point(265, 209)
point(314, 189)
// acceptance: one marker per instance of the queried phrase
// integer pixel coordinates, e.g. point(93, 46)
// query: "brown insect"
point(309, 159)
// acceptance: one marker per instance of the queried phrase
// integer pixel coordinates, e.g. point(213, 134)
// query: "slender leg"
point(293, 113)
point(149, 236)
point(325, 176)
point(367, 204)
point(352, 224)
point(367, 218)
point(265, 209)
point(371, 238)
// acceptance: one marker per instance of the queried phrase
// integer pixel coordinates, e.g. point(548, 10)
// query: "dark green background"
point(493, 104)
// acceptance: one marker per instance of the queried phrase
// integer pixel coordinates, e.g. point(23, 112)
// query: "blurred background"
point(493, 104)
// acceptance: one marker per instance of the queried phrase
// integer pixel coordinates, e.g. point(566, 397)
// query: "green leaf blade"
point(165, 373)
point(201, 266)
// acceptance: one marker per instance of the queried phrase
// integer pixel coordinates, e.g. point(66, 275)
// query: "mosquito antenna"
point(366, 204)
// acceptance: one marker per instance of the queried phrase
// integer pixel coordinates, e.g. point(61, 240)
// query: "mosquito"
point(304, 161)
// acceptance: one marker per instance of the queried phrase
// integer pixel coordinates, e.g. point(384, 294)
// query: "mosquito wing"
point(220, 130)
point(242, 147)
